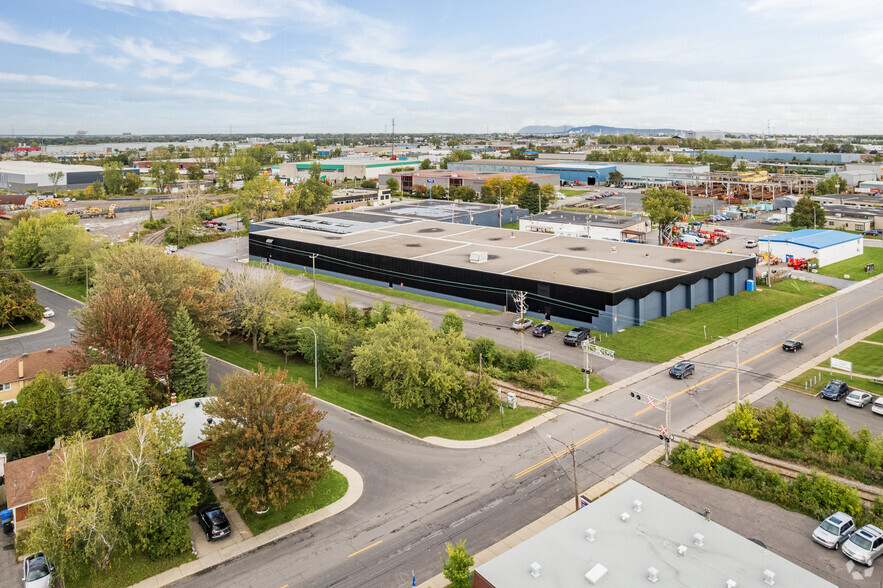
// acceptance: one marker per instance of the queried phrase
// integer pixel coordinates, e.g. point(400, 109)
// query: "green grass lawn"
point(572, 192)
point(368, 401)
point(878, 337)
point(75, 290)
point(855, 267)
point(574, 382)
point(327, 491)
point(20, 327)
point(385, 291)
point(663, 338)
point(125, 570)
point(866, 358)
point(512, 226)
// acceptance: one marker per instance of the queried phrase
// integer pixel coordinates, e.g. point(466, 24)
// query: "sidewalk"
point(556, 515)
point(354, 491)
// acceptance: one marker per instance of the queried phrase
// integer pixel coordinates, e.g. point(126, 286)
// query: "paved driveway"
point(239, 530)
point(10, 570)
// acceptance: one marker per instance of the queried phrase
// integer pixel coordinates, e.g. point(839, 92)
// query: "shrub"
point(831, 434)
point(523, 360)
point(743, 423)
point(488, 350)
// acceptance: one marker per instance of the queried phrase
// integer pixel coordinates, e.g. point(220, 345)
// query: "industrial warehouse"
point(599, 284)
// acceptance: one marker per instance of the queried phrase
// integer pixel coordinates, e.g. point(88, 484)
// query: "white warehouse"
point(827, 246)
point(22, 176)
point(593, 226)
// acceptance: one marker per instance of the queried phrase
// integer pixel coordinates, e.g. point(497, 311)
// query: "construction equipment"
point(111, 211)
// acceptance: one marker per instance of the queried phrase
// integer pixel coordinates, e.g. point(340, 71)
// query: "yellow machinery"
point(111, 212)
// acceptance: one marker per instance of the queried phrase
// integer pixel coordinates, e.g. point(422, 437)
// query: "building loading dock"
point(602, 285)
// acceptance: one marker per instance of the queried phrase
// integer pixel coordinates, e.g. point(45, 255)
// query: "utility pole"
point(314, 256)
point(588, 366)
point(736, 345)
point(500, 196)
point(572, 449)
point(837, 327)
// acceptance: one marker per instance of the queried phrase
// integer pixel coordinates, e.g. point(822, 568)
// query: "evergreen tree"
point(189, 376)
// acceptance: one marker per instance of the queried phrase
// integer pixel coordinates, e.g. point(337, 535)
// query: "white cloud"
point(216, 56)
point(255, 78)
point(144, 51)
point(45, 80)
point(199, 93)
point(115, 62)
point(50, 41)
point(256, 35)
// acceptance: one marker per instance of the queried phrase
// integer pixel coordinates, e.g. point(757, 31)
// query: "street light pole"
point(837, 327)
point(736, 345)
point(572, 449)
point(315, 355)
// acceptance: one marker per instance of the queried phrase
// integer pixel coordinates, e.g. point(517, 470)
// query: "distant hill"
point(597, 129)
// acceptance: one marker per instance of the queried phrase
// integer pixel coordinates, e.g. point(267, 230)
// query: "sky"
point(312, 66)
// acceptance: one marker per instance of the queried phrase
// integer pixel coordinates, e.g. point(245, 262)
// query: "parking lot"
point(811, 406)
point(783, 532)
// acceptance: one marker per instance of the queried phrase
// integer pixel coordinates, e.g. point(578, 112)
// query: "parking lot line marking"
point(560, 453)
point(365, 548)
point(761, 354)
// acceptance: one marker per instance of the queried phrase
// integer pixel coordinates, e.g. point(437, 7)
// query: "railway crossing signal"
point(659, 404)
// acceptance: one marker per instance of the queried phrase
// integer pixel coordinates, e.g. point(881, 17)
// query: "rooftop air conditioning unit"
point(535, 568)
point(478, 257)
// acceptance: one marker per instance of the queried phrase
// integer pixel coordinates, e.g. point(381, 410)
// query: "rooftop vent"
point(637, 506)
point(478, 257)
point(698, 539)
point(653, 575)
point(596, 573)
point(769, 577)
point(624, 517)
point(590, 535)
point(731, 584)
point(209, 420)
point(682, 550)
point(196, 404)
point(535, 569)
point(613, 249)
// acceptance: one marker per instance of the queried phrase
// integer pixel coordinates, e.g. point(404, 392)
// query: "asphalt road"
point(58, 336)
point(418, 496)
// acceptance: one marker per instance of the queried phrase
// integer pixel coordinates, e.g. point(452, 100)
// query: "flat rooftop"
point(586, 263)
point(38, 167)
point(649, 539)
point(468, 175)
point(583, 218)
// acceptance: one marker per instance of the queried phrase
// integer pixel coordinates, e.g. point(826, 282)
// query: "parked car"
point(37, 571)
point(873, 233)
point(864, 545)
point(750, 244)
point(722, 232)
point(859, 398)
point(213, 521)
point(792, 345)
point(48, 313)
point(877, 406)
point(542, 329)
point(835, 390)
point(681, 370)
point(834, 530)
point(576, 336)
point(522, 323)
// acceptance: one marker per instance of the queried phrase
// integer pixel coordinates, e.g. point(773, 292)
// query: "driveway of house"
point(10, 570)
point(204, 547)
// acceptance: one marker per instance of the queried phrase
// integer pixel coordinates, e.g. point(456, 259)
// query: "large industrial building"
point(787, 155)
point(22, 176)
point(448, 179)
point(602, 285)
point(635, 536)
point(590, 173)
point(583, 224)
point(349, 168)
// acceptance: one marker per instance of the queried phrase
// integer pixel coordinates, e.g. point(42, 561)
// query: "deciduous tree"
point(126, 329)
point(265, 439)
point(106, 399)
point(807, 214)
point(259, 195)
point(113, 178)
point(18, 301)
point(456, 568)
point(665, 206)
point(257, 301)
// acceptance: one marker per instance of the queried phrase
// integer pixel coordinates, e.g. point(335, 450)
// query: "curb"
point(192, 568)
point(700, 426)
point(47, 326)
point(80, 302)
point(556, 515)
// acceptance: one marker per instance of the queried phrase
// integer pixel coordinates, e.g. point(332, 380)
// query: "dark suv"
point(542, 329)
point(576, 336)
point(681, 370)
point(213, 521)
point(835, 390)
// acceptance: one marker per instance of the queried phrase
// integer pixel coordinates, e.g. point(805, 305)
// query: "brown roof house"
point(18, 372)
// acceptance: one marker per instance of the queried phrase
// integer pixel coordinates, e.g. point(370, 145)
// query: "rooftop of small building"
point(815, 238)
point(584, 218)
point(651, 536)
point(586, 263)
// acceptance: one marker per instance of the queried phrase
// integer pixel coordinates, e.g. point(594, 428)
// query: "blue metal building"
point(584, 173)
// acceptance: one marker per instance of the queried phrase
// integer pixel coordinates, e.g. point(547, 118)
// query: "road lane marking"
point(365, 548)
point(761, 354)
point(560, 453)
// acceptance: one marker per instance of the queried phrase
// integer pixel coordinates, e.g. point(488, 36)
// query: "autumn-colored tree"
point(170, 280)
point(18, 301)
point(265, 439)
point(257, 301)
point(126, 329)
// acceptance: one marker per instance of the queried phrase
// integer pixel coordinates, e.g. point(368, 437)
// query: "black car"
point(835, 390)
point(792, 345)
point(576, 336)
point(213, 521)
point(541, 330)
point(681, 370)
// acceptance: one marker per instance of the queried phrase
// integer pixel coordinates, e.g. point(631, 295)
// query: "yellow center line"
point(560, 453)
point(750, 359)
point(365, 548)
